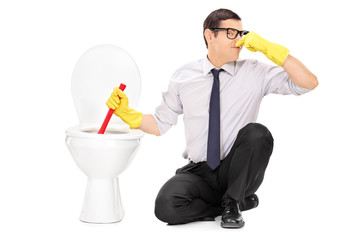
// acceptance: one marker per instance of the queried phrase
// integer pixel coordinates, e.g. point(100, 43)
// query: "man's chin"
point(235, 58)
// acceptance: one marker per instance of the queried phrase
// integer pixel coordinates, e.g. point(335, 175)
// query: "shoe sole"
point(232, 225)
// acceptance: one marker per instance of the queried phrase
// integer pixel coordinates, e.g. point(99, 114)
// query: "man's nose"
point(238, 37)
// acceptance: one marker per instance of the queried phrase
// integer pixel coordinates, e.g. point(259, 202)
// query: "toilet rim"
point(90, 132)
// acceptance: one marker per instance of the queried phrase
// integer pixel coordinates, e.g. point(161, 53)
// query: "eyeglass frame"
point(238, 32)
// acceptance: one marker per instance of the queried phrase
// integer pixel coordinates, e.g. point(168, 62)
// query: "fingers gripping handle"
point(109, 114)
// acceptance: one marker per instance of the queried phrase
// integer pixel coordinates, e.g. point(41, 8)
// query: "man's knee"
point(172, 197)
point(259, 134)
point(169, 209)
point(164, 208)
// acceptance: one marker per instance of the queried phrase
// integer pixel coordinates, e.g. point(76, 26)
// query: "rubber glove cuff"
point(133, 118)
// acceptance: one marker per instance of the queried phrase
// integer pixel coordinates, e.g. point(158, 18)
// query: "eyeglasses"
point(231, 33)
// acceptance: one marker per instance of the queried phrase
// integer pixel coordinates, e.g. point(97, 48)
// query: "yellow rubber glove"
point(272, 51)
point(122, 110)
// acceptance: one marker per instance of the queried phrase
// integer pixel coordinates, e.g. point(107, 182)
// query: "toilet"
point(102, 157)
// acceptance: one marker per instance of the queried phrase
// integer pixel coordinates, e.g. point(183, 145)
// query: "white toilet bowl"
point(102, 157)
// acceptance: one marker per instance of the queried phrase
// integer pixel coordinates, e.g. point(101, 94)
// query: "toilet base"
point(102, 203)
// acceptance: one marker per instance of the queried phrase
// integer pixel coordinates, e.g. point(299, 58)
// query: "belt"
point(191, 161)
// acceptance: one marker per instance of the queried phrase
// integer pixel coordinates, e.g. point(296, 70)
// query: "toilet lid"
point(97, 72)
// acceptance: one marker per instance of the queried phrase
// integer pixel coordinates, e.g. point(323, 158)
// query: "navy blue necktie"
point(213, 147)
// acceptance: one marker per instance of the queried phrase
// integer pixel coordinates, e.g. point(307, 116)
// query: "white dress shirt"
point(243, 84)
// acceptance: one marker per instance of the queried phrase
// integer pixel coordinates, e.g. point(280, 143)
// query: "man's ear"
point(208, 35)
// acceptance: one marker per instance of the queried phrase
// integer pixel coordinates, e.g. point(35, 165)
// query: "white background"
point(311, 188)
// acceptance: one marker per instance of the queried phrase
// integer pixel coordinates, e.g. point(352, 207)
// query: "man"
point(220, 98)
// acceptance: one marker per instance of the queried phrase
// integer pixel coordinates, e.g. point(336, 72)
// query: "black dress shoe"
point(231, 216)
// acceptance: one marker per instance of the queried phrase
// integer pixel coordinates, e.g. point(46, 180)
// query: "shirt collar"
point(228, 67)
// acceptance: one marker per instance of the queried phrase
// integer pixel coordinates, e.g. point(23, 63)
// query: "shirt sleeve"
point(166, 115)
point(276, 80)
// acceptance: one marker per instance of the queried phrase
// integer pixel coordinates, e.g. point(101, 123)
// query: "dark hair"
point(214, 19)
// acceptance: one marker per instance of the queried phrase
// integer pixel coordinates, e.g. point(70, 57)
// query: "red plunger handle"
point(109, 114)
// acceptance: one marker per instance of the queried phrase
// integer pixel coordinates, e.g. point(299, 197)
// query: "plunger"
point(109, 114)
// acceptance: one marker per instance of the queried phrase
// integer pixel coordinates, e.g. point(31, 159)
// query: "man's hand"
point(120, 103)
point(272, 51)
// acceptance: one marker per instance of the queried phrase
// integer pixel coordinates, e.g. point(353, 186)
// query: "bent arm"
point(148, 125)
point(299, 74)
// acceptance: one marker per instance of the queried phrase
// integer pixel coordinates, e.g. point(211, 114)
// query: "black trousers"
point(196, 191)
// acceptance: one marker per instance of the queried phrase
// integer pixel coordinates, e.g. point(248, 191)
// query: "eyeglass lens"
point(232, 33)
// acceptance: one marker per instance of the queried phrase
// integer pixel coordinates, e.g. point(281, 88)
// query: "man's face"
point(224, 48)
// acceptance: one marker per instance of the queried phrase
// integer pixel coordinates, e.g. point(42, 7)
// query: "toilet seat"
point(90, 132)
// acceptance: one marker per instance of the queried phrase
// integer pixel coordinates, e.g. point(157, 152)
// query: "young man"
point(220, 98)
